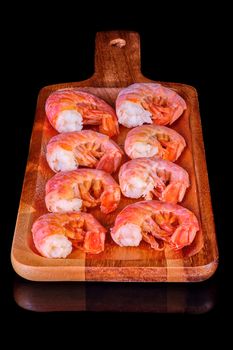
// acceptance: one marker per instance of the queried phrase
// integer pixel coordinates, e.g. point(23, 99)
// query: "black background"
point(45, 48)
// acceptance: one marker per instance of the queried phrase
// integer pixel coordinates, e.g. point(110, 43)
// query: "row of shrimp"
point(69, 109)
point(149, 175)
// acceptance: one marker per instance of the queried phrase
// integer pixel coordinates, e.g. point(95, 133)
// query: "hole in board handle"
point(118, 42)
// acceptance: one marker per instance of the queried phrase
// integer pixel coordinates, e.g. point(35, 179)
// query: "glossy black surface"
point(199, 298)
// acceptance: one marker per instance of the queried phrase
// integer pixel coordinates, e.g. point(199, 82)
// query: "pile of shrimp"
point(149, 174)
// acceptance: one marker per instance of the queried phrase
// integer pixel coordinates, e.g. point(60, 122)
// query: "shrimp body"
point(80, 189)
point(150, 103)
point(70, 109)
point(55, 235)
point(149, 177)
point(151, 140)
point(86, 148)
point(155, 222)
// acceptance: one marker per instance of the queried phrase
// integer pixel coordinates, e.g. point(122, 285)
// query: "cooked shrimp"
point(86, 148)
point(70, 109)
point(142, 103)
point(149, 177)
point(151, 140)
point(80, 189)
point(55, 235)
point(155, 222)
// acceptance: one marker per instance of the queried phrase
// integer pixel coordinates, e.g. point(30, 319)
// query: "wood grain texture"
point(116, 67)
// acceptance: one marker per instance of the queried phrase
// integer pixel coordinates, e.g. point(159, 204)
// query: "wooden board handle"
point(117, 58)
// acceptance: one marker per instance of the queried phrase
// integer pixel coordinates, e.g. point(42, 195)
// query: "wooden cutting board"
point(117, 66)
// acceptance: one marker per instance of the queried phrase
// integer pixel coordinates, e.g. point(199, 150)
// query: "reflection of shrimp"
point(55, 234)
point(86, 148)
point(153, 176)
point(148, 103)
point(150, 140)
point(69, 109)
point(80, 189)
point(155, 222)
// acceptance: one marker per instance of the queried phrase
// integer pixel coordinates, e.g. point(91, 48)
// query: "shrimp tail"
point(94, 242)
point(182, 236)
point(174, 192)
point(110, 200)
point(109, 162)
point(109, 125)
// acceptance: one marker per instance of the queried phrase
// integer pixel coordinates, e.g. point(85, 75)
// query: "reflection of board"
point(116, 67)
point(115, 297)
